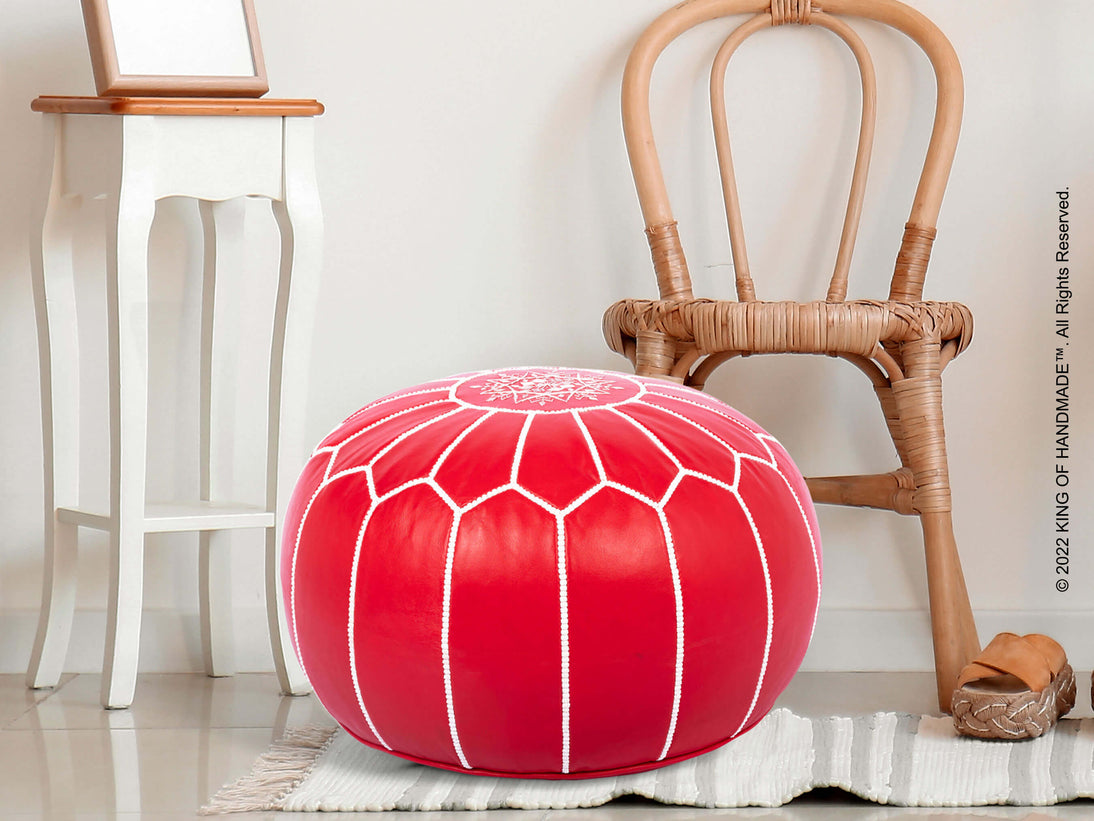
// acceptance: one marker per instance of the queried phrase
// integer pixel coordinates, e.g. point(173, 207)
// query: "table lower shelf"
point(177, 517)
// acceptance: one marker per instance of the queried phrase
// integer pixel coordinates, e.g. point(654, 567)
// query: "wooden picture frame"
point(175, 48)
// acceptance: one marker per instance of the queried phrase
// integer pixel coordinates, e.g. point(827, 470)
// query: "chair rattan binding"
point(902, 343)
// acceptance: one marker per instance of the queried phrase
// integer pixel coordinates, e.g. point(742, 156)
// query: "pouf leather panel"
point(550, 573)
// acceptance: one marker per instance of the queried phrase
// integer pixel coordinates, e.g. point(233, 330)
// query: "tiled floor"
point(63, 757)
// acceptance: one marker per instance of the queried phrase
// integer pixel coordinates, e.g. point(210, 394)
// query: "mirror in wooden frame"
point(206, 48)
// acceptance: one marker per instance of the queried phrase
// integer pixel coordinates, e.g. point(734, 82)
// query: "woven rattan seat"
point(902, 342)
point(833, 328)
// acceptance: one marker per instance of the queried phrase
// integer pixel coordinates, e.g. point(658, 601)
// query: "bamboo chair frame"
point(902, 343)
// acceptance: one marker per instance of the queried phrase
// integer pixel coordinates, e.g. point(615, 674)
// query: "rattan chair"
point(902, 343)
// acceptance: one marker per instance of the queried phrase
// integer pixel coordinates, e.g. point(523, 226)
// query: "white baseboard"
point(845, 640)
point(900, 640)
point(170, 641)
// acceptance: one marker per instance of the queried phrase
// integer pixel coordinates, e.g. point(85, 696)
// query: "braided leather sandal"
point(1016, 688)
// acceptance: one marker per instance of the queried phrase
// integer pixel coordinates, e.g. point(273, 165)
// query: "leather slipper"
point(1016, 688)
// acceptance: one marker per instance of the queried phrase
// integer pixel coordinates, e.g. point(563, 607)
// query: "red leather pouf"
point(550, 573)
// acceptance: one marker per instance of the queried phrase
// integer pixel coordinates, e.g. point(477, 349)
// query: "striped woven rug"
point(888, 758)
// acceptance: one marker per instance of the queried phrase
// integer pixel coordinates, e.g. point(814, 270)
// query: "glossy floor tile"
point(63, 757)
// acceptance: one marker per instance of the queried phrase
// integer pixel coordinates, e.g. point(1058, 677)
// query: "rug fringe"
point(275, 774)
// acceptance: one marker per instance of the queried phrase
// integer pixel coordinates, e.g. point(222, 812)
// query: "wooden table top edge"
point(178, 106)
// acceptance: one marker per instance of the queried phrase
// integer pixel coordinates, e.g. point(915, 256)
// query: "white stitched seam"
point(376, 423)
point(370, 406)
point(770, 611)
point(350, 630)
point(532, 497)
point(515, 488)
point(812, 543)
point(764, 439)
point(678, 595)
point(671, 552)
point(664, 500)
point(490, 494)
point(406, 434)
point(716, 411)
point(518, 452)
point(564, 641)
point(688, 471)
point(650, 435)
point(432, 387)
point(455, 443)
point(736, 455)
point(712, 480)
point(584, 497)
point(296, 551)
point(634, 494)
point(592, 447)
point(338, 448)
point(445, 623)
point(330, 462)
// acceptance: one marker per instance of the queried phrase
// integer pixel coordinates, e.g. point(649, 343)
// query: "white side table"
point(136, 151)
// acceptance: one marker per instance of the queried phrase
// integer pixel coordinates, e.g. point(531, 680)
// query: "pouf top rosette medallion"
point(550, 573)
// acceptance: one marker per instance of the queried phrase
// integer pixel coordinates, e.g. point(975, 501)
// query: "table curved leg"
point(222, 223)
point(300, 221)
point(58, 354)
point(127, 331)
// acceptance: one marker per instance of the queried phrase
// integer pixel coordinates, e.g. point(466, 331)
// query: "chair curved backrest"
point(674, 281)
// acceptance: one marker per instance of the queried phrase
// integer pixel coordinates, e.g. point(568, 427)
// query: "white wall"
point(479, 212)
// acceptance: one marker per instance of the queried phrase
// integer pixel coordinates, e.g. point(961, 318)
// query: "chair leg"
point(952, 626)
point(918, 400)
point(892, 420)
point(655, 354)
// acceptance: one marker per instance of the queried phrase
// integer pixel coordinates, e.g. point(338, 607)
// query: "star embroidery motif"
point(544, 388)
